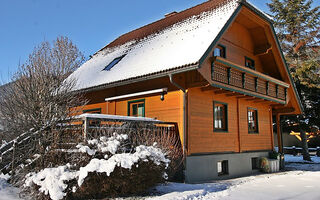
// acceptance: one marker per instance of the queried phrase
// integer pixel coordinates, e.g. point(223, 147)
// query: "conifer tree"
point(297, 24)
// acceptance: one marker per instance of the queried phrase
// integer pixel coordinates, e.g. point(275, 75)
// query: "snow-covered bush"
point(108, 166)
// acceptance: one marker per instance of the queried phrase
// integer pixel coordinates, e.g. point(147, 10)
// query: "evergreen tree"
point(297, 24)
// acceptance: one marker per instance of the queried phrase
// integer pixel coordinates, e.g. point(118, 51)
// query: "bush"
point(274, 155)
point(104, 167)
point(122, 182)
point(264, 165)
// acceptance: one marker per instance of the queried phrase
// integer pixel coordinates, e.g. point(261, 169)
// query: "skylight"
point(113, 63)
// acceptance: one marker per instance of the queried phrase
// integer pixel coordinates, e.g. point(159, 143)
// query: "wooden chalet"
point(216, 69)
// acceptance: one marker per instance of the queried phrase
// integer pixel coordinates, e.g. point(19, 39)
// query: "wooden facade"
point(225, 104)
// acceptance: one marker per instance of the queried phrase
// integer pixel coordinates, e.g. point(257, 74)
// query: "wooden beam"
point(234, 94)
point(222, 92)
point(283, 110)
point(260, 101)
point(210, 88)
point(279, 133)
point(243, 97)
point(250, 98)
point(262, 49)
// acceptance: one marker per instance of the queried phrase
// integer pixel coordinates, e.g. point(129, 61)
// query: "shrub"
point(264, 165)
point(104, 167)
point(274, 155)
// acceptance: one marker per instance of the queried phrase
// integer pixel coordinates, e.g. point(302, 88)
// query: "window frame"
point(255, 163)
point(136, 101)
point(224, 48)
point(249, 59)
point(115, 61)
point(256, 120)
point(225, 106)
point(224, 167)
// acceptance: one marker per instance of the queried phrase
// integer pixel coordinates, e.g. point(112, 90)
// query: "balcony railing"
point(247, 81)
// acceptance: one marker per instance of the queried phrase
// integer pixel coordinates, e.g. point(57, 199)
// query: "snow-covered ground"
point(301, 181)
point(7, 192)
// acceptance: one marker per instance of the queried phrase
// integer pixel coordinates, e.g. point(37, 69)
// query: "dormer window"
point(220, 51)
point(249, 63)
point(113, 63)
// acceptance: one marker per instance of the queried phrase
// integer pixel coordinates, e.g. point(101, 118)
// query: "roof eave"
point(181, 69)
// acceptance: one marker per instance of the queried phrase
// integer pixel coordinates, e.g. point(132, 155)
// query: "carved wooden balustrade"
point(230, 76)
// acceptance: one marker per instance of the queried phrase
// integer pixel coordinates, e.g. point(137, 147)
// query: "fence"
point(67, 134)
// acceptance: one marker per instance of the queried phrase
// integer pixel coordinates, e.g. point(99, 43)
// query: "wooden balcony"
point(230, 76)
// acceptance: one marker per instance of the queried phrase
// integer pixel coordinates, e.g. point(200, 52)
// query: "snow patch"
point(124, 160)
point(52, 180)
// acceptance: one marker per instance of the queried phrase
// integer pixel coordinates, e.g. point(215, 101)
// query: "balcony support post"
point(256, 84)
point(229, 75)
point(267, 88)
point(285, 93)
point(243, 80)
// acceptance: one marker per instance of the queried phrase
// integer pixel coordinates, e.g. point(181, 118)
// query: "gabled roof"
point(172, 43)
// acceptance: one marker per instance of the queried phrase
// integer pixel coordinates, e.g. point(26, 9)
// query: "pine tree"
point(298, 28)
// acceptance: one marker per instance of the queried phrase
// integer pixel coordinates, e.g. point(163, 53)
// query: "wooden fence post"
point(13, 156)
point(85, 128)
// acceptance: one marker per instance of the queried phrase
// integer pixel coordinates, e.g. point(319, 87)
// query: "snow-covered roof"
point(178, 45)
point(171, 43)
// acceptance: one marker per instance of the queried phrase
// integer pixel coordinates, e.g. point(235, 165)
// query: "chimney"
point(170, 14)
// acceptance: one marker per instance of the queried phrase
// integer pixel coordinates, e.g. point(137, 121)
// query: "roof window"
point(113, 63)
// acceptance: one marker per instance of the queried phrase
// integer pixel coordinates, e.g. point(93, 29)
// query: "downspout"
point(184, 112)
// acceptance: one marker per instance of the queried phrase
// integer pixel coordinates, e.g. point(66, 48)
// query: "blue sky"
point(90, 24)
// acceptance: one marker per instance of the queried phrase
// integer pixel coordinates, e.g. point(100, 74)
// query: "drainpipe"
point(184, 111)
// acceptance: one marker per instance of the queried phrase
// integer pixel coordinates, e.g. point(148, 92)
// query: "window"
point(136, 108)
point(220, 116)
point(222, 167)
point(220, 51)
point(255, 163)
point(249, 63)
point(113, 63)
point(252, 120)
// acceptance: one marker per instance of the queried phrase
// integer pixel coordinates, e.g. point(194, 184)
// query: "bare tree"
point(38, 95)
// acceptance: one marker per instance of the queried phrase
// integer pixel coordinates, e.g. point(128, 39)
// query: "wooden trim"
point(280, 147)
point(271, 126)
point(227, 152)
point(238, 123)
